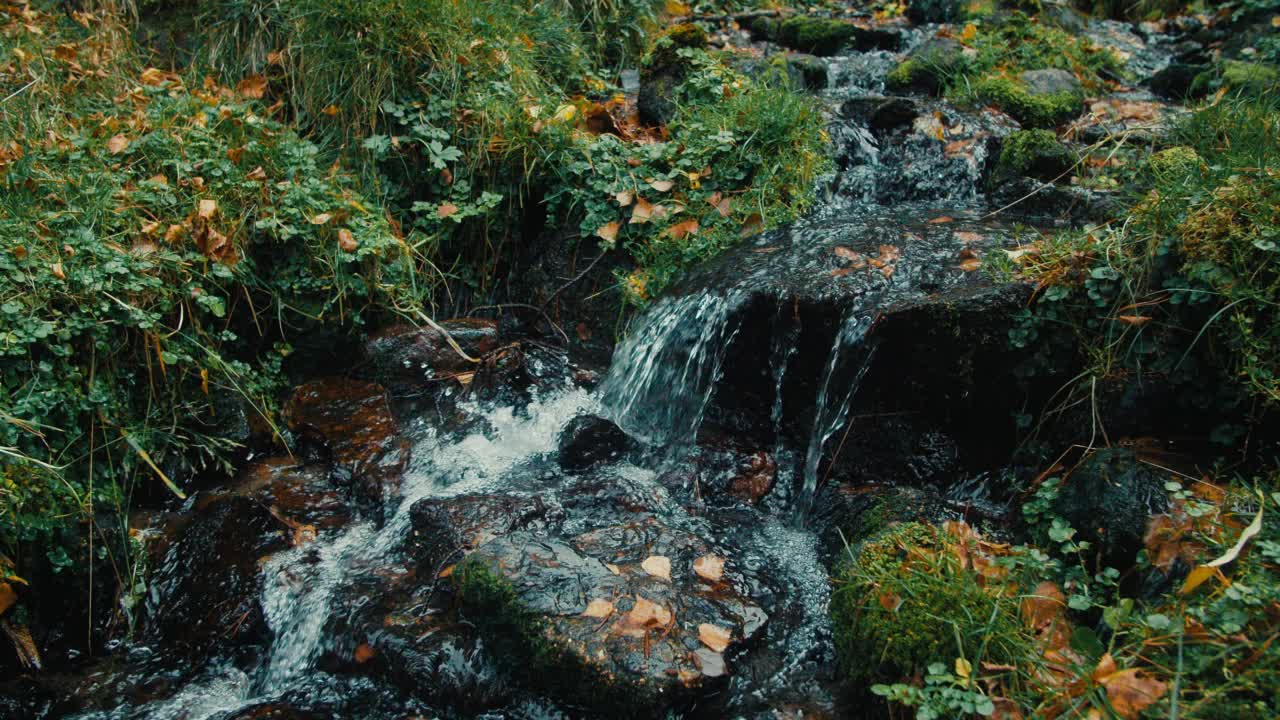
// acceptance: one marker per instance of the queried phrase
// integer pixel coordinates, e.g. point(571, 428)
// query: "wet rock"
point(1034, 153)
point(664, 70)
point(882, 114)
point(301, 492)
point(275, 711)
point(927, 67)
point(590, 440)
point(846, 514)
point(755, 478)
point(204, 598)
point(592, 600)
point(933, 11)
point(1109, 498)
point(824, 36)
point(402, 355)
point(351, 421)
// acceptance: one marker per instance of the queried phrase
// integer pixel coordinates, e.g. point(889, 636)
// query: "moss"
point(903, 601)
point(820, 36)
point(666, 49)
point(908, 74)
point(1249, 77)
point(1030, 109)
point(1034, 153)
point(1173, 163)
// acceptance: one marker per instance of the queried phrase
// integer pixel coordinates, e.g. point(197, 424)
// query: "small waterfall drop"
point(664, 373)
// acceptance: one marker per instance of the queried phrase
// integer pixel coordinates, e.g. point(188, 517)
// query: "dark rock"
point(806, 71)
point(303, 493)
point(204, 597)
point(1177, 81)
point(1109, 498)
point(406, 355)
point(590, 440)
point(1034, 153)
point(882, 114)
point(934, 11)
point(1051, 81)
point(276, 711)
point(351, 421)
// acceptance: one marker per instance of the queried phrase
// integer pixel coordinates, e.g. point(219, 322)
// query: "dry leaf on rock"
point(599, 608)
point(644, 616)
point(709, 567)
point(658, 566)
point(714, 636)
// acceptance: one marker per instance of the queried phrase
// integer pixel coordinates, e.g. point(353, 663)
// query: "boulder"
point(824, 36)
point(663, 70)
point(1036, 98)
point(1178, 81)
point(881, 114)
point(1036, 154)
point(204, 598)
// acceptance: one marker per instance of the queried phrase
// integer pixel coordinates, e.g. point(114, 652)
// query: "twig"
point(19, 91)
point(576, 278)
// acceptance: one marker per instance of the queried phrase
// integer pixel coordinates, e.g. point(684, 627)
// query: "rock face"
point(1109, 498)
point(590, 598)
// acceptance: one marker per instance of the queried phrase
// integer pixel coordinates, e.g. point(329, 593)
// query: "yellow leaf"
point(565, 113)
point(963, 668)
point(969, 33)
point(1196, 578)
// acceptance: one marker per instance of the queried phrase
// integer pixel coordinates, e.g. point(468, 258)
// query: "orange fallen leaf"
point(941, 219)
point(644, 616)
point(642, 212)
point(117, 144)
point(7, 597)
point(714, 636)
point(969, 260)
point(624, 198)
point(1130, 692)
point(57, 271)
point(446, 210)
point(752, 225)
point(346, 240)
point(609, 231)
point(252, 87)
point(681, 230)
point(364, 653)
point(1043, 606)
point(709, 567)
point(890, 601)
point(1134, 320)
point(657, 566)
point(599, 608)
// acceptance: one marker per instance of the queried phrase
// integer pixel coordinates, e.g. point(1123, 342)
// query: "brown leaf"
point(658, 566)
point(941, 219)
point(709, 567)
point(722, 204)
point(56, 269)
point(117, 144)
point(890, 601)
point(751, 225)
point(645, 615)
point(642, 212)
point(321, 219)
point(25, 647)
point(965, 236)
point(252, 87)
point(330, 110)
point(661, 185)
point(714, 636)
point(1129, 692)
point(346, 240)
point(681, 230)
point(257, 174)
point(969, 260)
point(599, 608)
point(152, 77)
point(609, 231)
point(624, 198)
point(1043, 606)
point(364, 653)
point(446, 210)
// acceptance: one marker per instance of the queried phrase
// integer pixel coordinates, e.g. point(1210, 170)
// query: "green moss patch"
point(1031, 109)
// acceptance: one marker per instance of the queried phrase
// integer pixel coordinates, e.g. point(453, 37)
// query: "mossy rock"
point(663, 70)
point(1173, 163)
point(929, 68)
point(1255, 78)
point(1032, 107)
point(822, 36)
point(666, 49)
point(903, 602)
point(1034, 153)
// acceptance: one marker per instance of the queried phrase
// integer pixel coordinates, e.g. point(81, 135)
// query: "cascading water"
point(664, 373)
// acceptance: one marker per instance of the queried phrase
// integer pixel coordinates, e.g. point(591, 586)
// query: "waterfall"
point(835, 395)
point(664, 373)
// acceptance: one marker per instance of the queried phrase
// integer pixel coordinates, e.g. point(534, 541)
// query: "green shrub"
point(903, 602)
